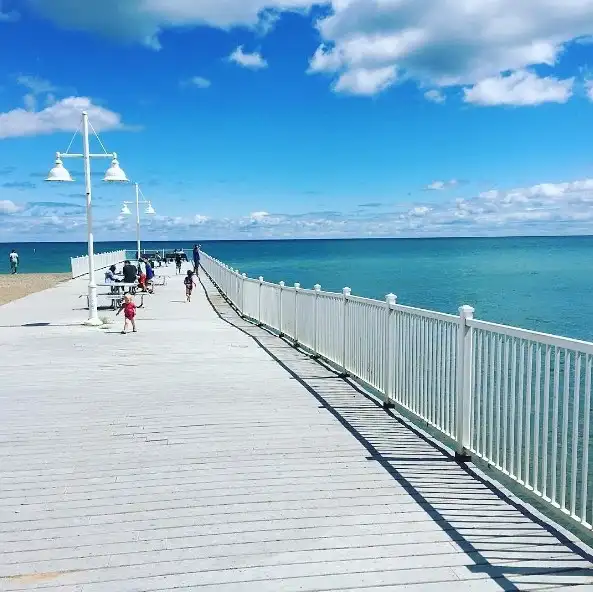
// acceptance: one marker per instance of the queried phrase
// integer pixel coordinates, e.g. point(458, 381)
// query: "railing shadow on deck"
point(499, 535)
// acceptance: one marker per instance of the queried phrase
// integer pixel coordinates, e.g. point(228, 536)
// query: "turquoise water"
point(543, 283)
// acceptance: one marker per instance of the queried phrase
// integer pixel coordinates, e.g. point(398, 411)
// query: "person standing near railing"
point(196, 259)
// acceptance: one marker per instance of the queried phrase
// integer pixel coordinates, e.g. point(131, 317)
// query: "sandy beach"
point(16, 286)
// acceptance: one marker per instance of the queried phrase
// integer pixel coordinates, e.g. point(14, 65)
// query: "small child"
point(129, 309)
point(189, 282)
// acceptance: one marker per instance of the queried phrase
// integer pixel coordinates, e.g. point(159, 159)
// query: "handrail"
point(80, 265)
point(517, 399)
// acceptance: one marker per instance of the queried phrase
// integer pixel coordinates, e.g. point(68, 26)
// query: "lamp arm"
point(71, 155)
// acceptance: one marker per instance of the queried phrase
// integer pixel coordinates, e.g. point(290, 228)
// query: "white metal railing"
point(80, 265)
point(519, 400)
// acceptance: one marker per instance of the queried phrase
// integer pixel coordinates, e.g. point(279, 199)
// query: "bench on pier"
point(117, 292)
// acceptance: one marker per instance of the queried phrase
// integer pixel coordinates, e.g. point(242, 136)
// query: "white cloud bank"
point(542, 209)
point(62, 116)
point(368, 45)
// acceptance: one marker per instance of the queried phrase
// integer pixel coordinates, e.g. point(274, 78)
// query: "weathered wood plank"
point(185, 456)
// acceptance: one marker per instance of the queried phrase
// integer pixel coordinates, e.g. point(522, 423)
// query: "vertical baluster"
point(451, 378)
point(433, 373)
point(499, 343)
point(527, 431)
point(575, 434)
point(345, 294)
point(491, 386)
point(388, 362)
point(519, 422)
point(259, 297)
point(464, 383)
point(586, 443)
point(555, 414)
point(317, 289)
point(486, 369)
point(505, 404)
point(440, 372)
point(297, 287)
point(513, 408)
point(536, 430)
point(564, 453)
point(414, 361)
point(281, 323)
point(478, 392)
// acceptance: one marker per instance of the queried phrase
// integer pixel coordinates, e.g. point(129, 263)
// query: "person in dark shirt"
point(196, 259)
point(178, 262)
point(130, 273)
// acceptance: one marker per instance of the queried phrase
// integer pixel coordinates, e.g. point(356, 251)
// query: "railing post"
point(390, 301)
point(243, 278)
point(317, 288)
point(261, 281)
point(346, 292)
point(297, 287)
point(280, 309)
point(464, 384)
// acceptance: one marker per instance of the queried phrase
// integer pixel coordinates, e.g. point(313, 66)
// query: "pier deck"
point(205, 453)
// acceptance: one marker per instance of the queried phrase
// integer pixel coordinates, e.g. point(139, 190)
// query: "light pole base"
point(95, 322)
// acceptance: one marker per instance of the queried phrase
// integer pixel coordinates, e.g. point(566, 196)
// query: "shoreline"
point(13, 287)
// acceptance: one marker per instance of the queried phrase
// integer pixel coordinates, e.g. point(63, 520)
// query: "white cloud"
point(9, 207)
point(62, 116)
point(544, 208)
point(447, 43)
point(253, 61)
point(142, 20)
point(30, 102)
point(365, 82)
point(520, 88)
point(589, 89)
point(440, 185)
point(438, 43)
point(435, 96)
point(8, 17)
point(198, 82)
point(36, 84)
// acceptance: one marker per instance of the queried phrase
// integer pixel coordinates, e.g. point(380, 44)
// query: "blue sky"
point(293, 118)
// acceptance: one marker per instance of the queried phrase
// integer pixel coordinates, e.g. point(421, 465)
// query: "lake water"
point(543, 283)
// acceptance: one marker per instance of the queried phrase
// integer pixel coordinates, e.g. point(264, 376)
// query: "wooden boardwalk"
point(204, 453)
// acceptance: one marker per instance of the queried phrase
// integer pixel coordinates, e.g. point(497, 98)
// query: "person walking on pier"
point(14, 261)
point(178, 262)
point(196, 259)
point(189, 282)
point(129, 309)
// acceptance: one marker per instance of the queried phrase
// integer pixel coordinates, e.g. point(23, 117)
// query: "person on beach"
point(189, 282)
point(178, 262)
point(129, 309)
point(14, 261)
point(196, 259)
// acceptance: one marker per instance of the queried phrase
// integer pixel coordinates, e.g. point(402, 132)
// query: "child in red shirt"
point(129, 309)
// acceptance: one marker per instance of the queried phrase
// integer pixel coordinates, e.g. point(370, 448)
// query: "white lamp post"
point(125, 211)
point(114, 174)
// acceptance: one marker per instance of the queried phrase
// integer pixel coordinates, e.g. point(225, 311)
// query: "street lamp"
point(125, 211)
point(114, 174)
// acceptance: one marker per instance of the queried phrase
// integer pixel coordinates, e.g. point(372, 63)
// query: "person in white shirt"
point(14, 261)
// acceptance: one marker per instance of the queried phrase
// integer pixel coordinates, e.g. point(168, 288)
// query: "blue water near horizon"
point(539, 283)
